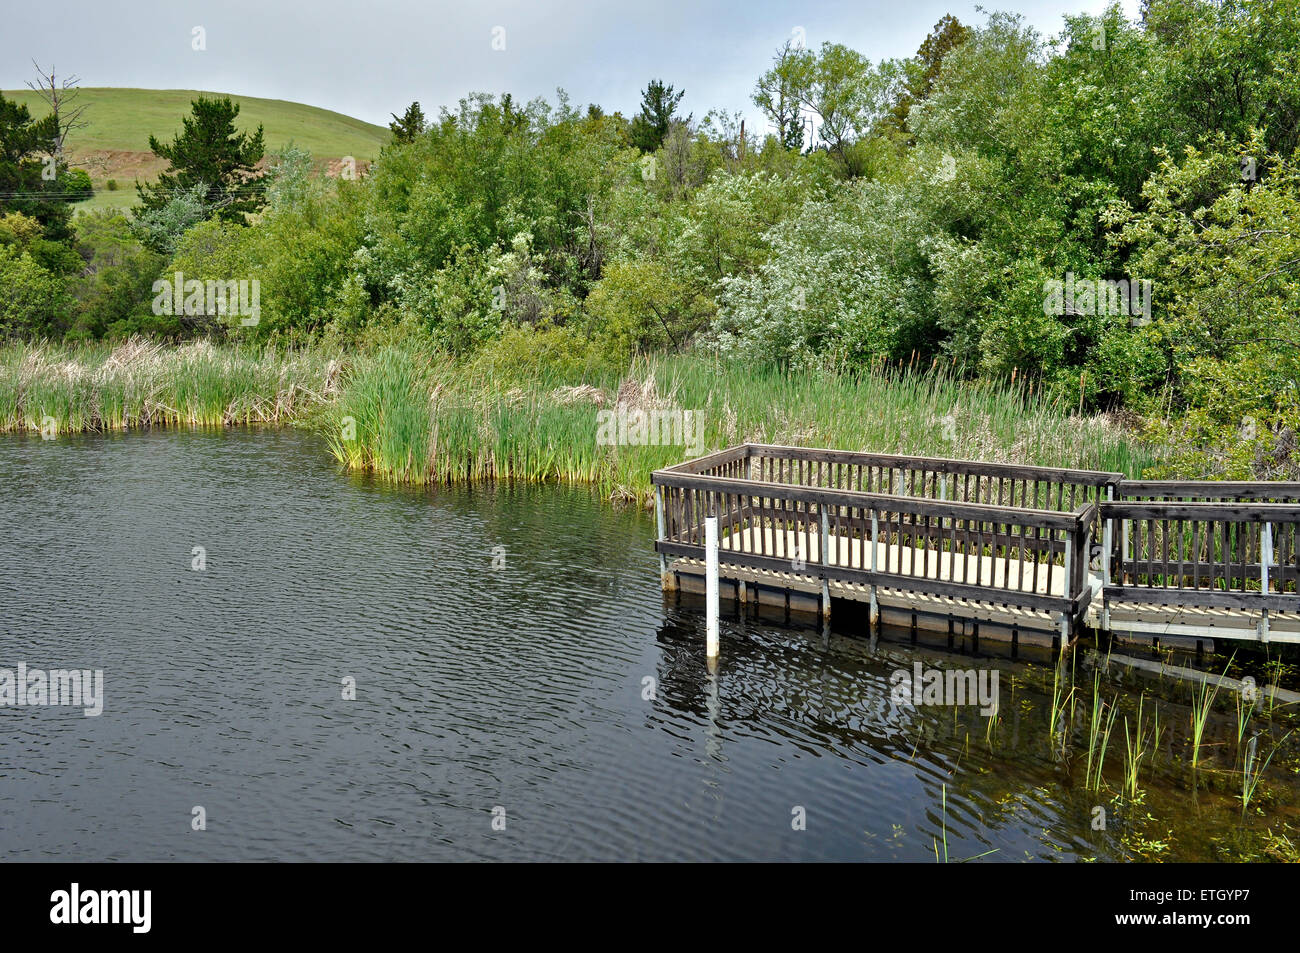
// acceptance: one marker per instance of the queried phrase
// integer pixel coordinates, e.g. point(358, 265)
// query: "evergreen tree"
point(209, 151)
point(658, 106)
point(26, 148)
point(410, 124)
point(923, 71)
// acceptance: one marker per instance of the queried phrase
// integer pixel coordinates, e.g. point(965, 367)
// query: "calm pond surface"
point(519, 686)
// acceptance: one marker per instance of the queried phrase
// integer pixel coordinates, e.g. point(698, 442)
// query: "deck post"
point(1265, 554)
point(1066, 619)
point(1124, 554)
point(825, 554)
point(1265, 557)
point(711, 585)
point(665, 577)
point(1108, 538)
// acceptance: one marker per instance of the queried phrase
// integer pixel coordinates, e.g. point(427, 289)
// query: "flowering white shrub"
point(846, 278)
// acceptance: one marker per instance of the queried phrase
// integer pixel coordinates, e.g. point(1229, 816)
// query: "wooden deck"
point(1029, 548)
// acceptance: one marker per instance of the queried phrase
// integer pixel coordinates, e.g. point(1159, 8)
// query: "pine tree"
point(410, 124)
point(209, 151)
point(658, 104)
point(25, 147)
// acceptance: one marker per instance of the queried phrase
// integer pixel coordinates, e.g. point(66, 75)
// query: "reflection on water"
point(547, 677)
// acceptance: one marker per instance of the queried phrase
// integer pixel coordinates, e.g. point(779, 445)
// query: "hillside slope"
point(115, 143)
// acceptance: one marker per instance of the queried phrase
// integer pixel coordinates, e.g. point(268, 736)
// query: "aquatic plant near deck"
point(1202, 704)
point(1134, 752)
point(1099, 728)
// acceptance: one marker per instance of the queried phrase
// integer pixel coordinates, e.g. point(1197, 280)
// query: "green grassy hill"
point(115, 143)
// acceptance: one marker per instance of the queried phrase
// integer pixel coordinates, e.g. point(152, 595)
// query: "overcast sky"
point(368, 58)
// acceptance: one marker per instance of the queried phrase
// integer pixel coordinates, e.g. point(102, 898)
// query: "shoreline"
point(407, 416)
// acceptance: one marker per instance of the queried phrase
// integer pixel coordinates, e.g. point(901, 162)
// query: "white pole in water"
point(826, 560)
point(711, 584)
point(874, 617)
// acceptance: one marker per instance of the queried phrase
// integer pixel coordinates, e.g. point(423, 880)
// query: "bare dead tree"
point(60, 96)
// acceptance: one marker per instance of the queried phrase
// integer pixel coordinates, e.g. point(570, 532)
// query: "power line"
point(15, 195)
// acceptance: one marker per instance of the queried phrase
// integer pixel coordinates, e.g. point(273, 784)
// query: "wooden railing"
point(1222, 491)
point(987, 531)
point(788, 509)
point(1212, 554)
point(967, 481)
point(936, 478)
point(732, 462)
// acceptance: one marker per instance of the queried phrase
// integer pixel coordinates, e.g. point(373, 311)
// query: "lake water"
point(512, 652)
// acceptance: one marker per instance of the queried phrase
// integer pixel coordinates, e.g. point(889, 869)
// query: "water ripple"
point(485, 678)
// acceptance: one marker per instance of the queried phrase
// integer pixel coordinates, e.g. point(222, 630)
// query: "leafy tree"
point(777, 95)
point(947, 35)
point(723, 233)
point(478, 180)
point(658, 112)
point(1226, 327)
point(643, 305)
point(1229, 261)
point(846, 92)
point(160, 228)
point(26, 235)
point(288, 177)
point(114, 288)
point(1231, 66)
point(35, 302)
point(845, 279)
point(209, 152)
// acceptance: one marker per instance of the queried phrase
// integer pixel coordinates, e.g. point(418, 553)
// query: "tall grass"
point(1059, 728)
point(415, 417)
point(483, 423)
point(55, 389)
point(1202, 703)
